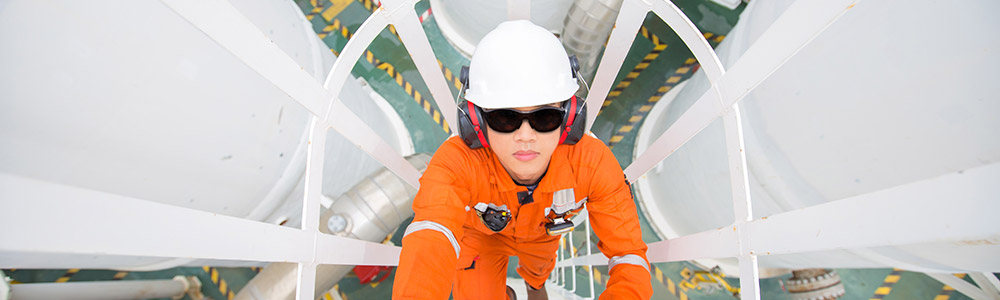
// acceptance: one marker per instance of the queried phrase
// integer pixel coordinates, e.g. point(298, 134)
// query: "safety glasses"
point(543, 119)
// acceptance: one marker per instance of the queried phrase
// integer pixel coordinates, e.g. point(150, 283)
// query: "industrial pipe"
point(586, 27)
point(370, 211)
point(126, 289)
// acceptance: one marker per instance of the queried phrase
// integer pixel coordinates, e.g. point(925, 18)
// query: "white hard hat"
point(519, 64)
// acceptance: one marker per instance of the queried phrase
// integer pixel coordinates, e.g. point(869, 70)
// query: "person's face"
point(525, 153)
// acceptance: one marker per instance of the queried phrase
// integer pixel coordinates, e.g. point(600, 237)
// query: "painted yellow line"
point(882, 291)
point(369, 56)
point(634, 120)
point(120, 275)
point(642, 65)
point(335, 9)
point(947, 290)
point(219, 282)
point(69, 273)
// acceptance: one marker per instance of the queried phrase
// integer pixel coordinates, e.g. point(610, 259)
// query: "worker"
point(509, 184)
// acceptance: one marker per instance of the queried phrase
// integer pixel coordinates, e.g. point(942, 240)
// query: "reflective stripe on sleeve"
point(418, 226)
point(627, 259)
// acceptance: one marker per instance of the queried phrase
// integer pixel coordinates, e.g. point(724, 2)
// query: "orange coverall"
point(447, 248)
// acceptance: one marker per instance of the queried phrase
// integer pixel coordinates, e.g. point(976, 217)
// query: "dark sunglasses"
point(543, 119)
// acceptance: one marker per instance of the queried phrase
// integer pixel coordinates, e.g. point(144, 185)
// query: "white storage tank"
point(128, 98)
point(882, 98)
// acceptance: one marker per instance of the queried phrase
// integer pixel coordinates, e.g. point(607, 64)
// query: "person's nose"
point(525, 134)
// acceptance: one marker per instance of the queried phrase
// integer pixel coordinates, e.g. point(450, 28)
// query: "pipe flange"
point(339, 224)
point(815, 284)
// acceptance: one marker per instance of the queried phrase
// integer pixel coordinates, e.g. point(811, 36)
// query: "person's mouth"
point(525, 155)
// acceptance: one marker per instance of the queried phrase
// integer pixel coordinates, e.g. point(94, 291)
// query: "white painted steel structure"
point(81, 223)
point(859, 222)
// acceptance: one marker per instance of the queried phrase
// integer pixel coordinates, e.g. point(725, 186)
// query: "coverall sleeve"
point(614, 219)
point(427, 264)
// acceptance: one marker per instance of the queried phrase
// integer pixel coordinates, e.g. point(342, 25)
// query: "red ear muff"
point(470, 125)
point(474, 116)
point(570, 116)
point(573, 130)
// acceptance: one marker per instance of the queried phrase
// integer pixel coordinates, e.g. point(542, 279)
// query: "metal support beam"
point(350, 55)
point(224, 24)
point(749, 278)
point(988, 283)
point(742, 205)
point(630, 18)
point(739, 179)
point(404, 17)
point(87, 223)
point(848, 223)
point(313, 189)
point(797, 26)
point(960, 285)
point(692, 38)
point(305, 286)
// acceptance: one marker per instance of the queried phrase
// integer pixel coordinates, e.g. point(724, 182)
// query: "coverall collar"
point(559, 176)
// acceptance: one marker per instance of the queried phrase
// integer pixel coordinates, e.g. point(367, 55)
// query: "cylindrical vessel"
point(166, 114)
point(866, 106)
point(586, 28)
point(464, 22)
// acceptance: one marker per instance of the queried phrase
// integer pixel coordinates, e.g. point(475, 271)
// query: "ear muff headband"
point(474, 116)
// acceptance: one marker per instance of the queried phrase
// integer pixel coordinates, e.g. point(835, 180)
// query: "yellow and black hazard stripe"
point(120, 275)
point(886, 287)
point(368, 56)
point(335, 27)
point(674, 289)
point(687, 69)
point(689, 66)
point(679, 292)
point(69, 273)
point(947, 290)
point(450, 76)
point(714, 38)
point(424, 102)
point(316, 10)
point(658, 48)
point(219, 282)
point(371, 7)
